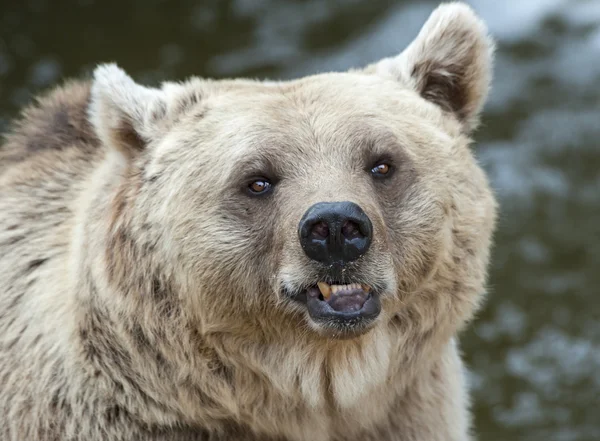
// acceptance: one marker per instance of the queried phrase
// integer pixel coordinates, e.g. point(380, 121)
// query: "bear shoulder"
point(55, 121)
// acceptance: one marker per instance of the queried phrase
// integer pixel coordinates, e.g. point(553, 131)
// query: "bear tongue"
point(348, 300)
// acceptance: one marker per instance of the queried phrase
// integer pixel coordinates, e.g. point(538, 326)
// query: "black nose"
point(335, 232)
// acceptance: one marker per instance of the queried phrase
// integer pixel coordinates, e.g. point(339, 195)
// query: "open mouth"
point(346, 308)
point(343, 298)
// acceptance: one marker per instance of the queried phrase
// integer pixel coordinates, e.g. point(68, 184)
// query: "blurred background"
point(534, 350)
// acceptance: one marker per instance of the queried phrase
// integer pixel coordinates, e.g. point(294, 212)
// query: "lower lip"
point(320, 310)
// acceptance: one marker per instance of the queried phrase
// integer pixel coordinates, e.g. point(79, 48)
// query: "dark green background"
point(535, 349)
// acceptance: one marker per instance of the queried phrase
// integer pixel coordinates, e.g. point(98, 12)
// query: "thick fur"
point(143, 292)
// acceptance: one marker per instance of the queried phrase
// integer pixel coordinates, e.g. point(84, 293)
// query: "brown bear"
point(244, 260)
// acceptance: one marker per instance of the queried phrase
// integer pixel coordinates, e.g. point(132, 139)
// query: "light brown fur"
point(142, 292)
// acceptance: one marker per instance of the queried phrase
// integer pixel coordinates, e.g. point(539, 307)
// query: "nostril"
point(351, 230)
point(320, 230)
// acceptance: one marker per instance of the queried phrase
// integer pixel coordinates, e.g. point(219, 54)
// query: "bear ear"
point(448, 64)
point(123, 113)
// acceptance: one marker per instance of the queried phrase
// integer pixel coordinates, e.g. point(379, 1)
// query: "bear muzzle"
point(336, 236)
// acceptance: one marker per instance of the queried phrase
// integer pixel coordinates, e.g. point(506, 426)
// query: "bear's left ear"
point(448, 64)
point(123, 113)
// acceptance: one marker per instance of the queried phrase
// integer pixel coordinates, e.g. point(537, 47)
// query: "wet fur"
point(141, 293)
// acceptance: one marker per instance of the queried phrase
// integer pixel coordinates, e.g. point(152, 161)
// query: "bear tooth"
point(325, 289)
point(366, 288)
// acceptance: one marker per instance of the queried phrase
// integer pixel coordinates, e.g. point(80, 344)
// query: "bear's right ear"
point(123, 113)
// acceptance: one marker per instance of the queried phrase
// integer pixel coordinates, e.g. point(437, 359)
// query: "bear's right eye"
point(260, 187)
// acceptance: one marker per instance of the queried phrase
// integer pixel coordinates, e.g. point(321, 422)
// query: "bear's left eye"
point(381, 170)
point(259, 187)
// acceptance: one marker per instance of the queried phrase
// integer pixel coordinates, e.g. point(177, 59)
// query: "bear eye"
point(259, 187)
point(381, 170)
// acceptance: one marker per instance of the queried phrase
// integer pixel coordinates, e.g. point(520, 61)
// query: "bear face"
point(323, 204)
